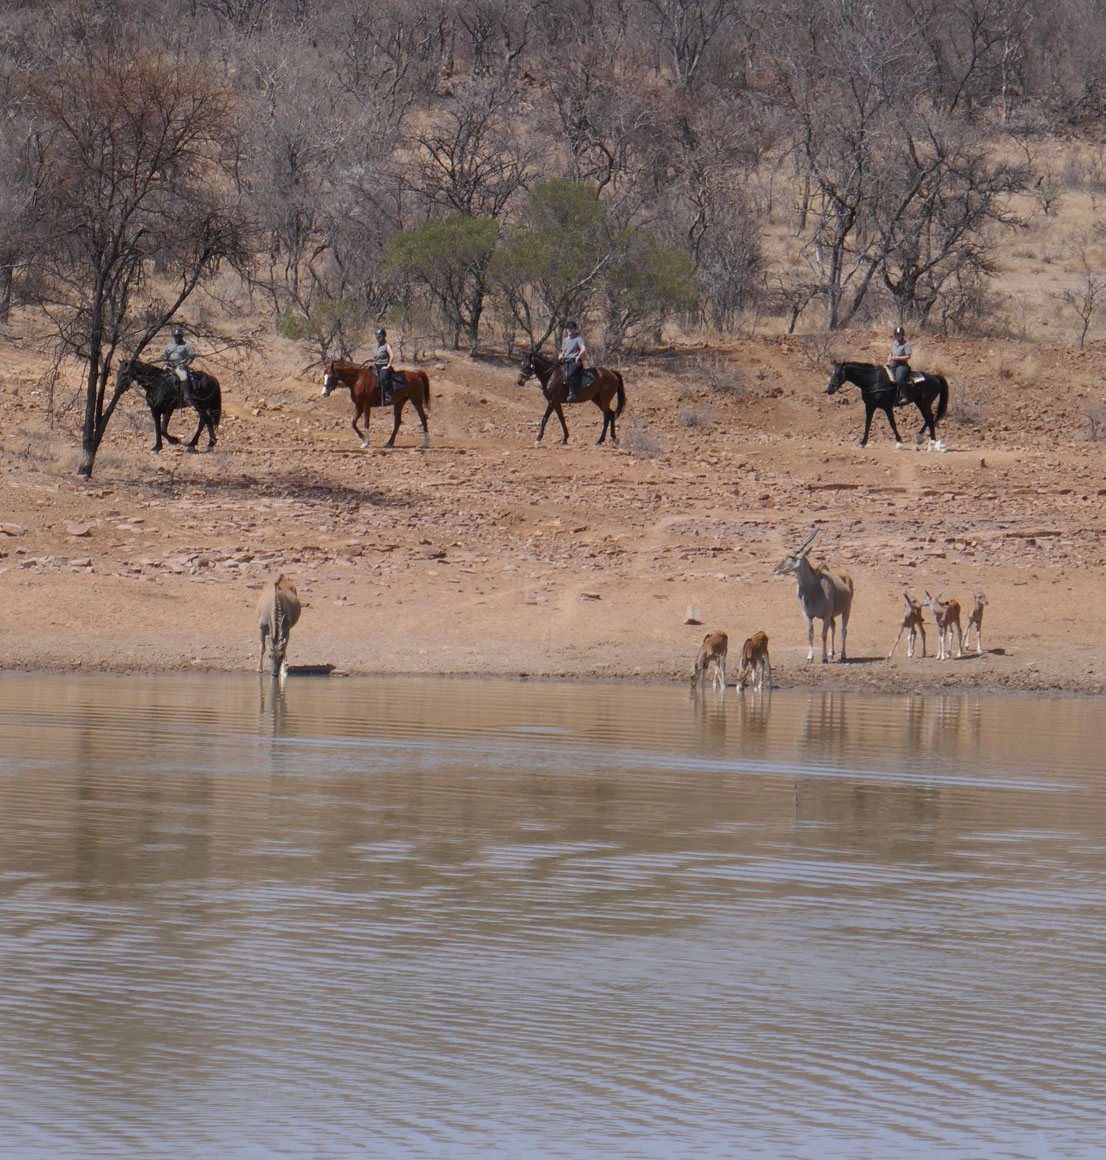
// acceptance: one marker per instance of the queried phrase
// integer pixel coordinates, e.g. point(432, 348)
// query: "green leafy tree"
point(449, 260)
point(551, 266)
point(644, 285)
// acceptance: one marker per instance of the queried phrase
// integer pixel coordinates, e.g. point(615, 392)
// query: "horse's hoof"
point(364, 444)
point(191, 449)
point(537, 442)
point(898, 446)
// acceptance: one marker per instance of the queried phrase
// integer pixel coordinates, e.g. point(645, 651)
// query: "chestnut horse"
point(600, 386)
point(361, 381)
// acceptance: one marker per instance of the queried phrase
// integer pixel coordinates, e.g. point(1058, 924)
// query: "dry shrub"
point(1095, 416)
point(1023, 371)
point(692, 417)
point(640, 441)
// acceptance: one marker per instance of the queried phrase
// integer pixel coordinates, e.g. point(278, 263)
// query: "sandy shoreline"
point(488, 556)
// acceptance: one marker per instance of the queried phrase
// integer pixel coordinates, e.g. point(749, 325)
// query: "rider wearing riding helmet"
point(383, 361)
point(178, 356)
point(898, 361)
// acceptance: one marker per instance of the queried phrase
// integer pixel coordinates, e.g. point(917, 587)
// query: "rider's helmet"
point(899, 332)
point(381, 334)
point(571, 324)
point(178, 334)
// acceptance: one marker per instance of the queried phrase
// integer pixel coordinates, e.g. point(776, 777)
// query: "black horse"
point(165, 393)
point(877, 389)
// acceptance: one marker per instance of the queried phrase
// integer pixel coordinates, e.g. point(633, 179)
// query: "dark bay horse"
point(878, 390)
point(361, 381)
point(165, 394)
point(600, 386)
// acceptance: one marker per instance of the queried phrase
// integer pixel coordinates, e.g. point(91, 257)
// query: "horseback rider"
point(383, 362)
point(178, 356)
point(573, 350)
point(898, 362)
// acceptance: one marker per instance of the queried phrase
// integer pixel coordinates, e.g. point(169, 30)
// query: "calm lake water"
point(450, 918)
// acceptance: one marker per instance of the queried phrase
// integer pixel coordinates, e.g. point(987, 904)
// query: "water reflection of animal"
point(911, 622)
point(278, 610)
point(165, 393)
point(361, 381)
point(712, 659)
point(754, 659)
point(825, 593)
point(877, 390)
point(601, 385)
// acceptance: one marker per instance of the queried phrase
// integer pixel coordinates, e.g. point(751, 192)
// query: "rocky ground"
point(487, 555)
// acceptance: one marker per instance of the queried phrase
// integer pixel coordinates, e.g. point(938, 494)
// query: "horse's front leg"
point(156, 416)
point(397, 413)
point(165, 417)
point(541, 425)
point(889, 411)
point(362, 435)
point(564, 425)
point(869, 411)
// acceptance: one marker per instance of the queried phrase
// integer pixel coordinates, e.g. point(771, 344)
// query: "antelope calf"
point(754, 658)
point(947, 615)
point(825, 593)
point(712, 658)
point(911, 622)
point(975, 617)
point(278, 609)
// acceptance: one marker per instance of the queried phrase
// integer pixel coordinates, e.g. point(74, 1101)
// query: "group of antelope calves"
point(947, 615)
point(754, 661)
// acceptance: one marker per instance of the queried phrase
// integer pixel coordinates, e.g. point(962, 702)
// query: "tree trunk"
point(5, 293)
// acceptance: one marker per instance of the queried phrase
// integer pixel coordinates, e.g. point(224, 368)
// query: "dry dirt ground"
point(488, 555)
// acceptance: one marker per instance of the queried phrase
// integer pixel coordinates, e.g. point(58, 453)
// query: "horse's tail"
point(621, 394)
point(942, 398)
